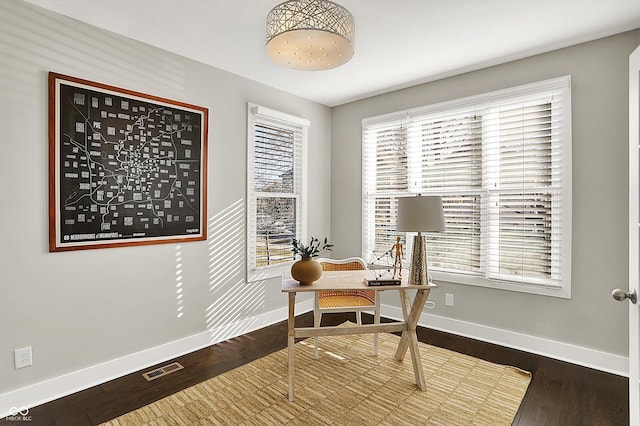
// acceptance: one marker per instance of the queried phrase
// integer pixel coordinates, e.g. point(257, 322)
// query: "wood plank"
point(410, 334)
point(291, 340)
point(401, 351)
point(416, 311)
point(344, 331)
point(594, 395)
point(344, 280)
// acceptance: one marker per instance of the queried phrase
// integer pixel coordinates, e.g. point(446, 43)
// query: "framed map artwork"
point(125, 168)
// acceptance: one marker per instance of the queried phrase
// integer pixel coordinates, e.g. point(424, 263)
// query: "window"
point(276, 182)
point(502, 163)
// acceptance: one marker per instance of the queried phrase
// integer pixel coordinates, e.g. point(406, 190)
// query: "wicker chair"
point(346, 301)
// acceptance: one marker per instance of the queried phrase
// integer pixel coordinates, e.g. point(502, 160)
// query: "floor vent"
point(162, 371)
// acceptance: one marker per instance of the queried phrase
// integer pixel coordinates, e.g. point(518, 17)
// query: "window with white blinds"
point(275, 188)
point(502, 163)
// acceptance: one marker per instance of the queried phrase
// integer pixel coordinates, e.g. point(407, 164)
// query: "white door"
point(634, 239)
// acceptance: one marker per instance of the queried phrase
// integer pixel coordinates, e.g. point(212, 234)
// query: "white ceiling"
point(399, 43)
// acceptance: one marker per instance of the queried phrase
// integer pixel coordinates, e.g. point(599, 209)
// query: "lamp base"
point(418, 275)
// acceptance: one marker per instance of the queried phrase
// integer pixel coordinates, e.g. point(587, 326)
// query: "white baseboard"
point(579, 355)
point(57, 387)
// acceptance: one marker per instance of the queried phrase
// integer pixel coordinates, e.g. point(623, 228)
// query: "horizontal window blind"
point(451, 165)
point(276, 175)
point(273, 158)
point(501, 162)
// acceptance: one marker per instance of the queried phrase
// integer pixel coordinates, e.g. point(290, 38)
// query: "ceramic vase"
point(306, 271)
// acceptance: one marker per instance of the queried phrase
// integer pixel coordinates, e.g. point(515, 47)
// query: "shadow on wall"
point(234, 301)
point(57, 43)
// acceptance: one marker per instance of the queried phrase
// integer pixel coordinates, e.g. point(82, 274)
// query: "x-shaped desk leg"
point(411, 313)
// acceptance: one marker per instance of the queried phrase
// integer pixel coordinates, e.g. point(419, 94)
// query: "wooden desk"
point(354, 280)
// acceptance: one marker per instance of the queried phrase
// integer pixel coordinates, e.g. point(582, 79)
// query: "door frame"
point(634, 235)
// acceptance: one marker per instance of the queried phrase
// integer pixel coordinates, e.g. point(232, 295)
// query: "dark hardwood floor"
point(560, 393)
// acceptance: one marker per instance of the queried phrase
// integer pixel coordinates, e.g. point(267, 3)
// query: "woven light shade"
point(310, 34)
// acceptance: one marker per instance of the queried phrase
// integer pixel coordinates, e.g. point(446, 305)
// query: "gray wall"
point(599, 71)
point(78, 309)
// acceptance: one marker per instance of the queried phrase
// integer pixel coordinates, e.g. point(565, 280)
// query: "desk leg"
point(416, 311)
point(291, 341)
point(409, 338)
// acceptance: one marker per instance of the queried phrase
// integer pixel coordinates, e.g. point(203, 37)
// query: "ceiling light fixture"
point(310, 34)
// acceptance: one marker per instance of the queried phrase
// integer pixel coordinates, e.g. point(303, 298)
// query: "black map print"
point(129, 168)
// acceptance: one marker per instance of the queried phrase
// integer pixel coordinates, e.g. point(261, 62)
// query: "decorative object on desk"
point(380, 271)
point(309, 35)
point(381, 265)
point(312, 249)
point(418, 214)
point(378, 282)
point(397, 253)
point(306, 270)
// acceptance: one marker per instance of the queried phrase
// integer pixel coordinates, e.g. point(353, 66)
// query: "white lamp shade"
point(420, 213)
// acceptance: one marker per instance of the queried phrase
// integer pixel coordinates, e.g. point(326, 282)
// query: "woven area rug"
point(347, 386)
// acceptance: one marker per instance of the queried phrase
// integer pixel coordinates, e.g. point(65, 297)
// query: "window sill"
point(542, 290)
point(266, 272)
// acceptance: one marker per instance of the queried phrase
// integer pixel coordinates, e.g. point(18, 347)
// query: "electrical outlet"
point(23, 357)
point(448, 299)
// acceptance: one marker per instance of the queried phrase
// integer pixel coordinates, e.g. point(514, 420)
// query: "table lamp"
point(419, 214)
